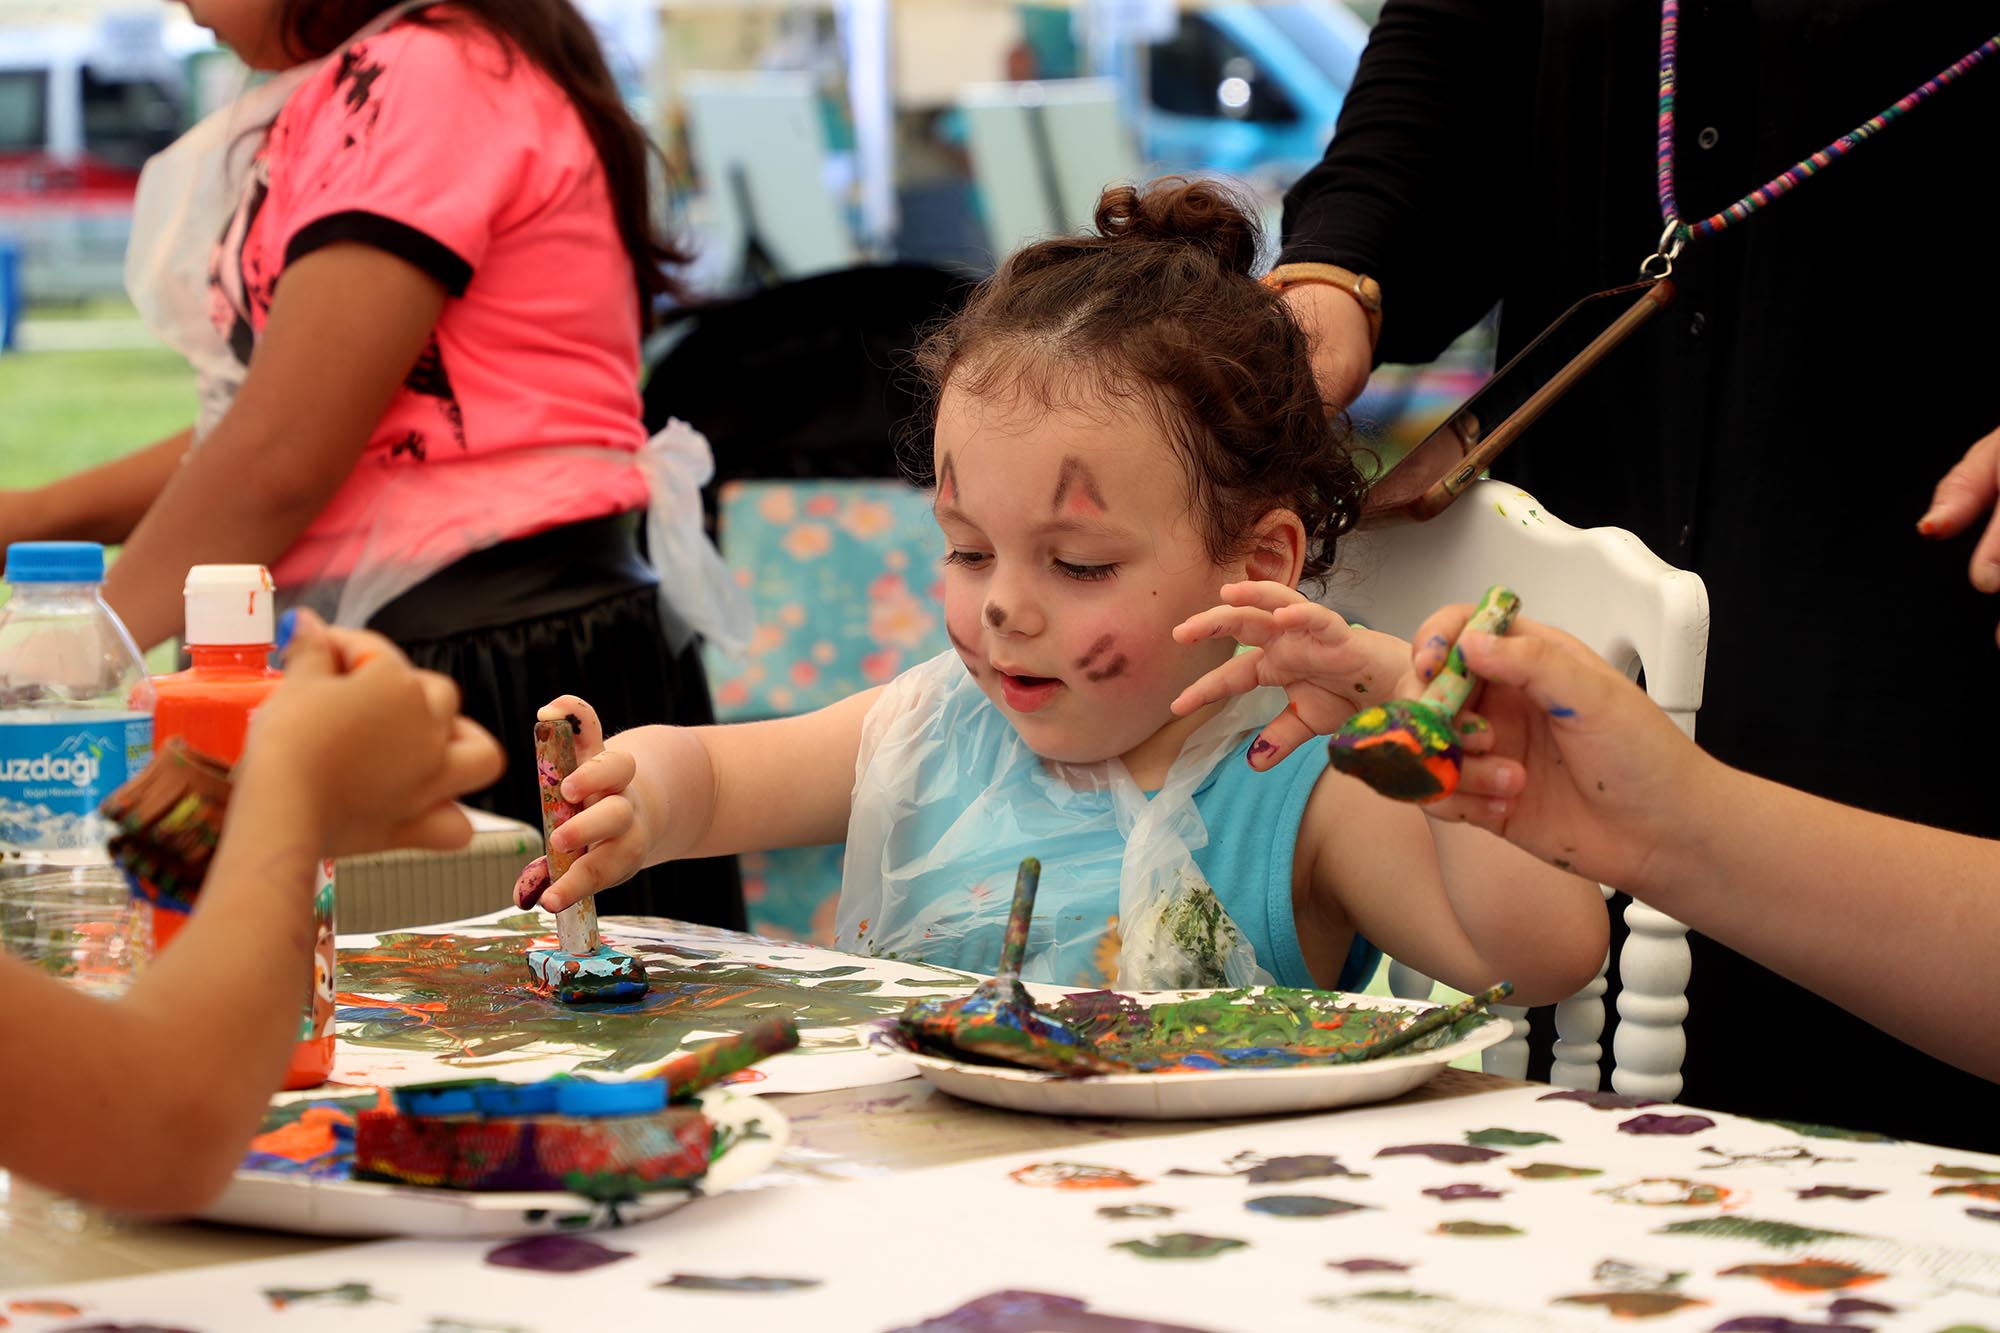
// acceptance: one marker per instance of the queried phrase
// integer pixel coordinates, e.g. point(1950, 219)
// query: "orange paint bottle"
point(230, 628)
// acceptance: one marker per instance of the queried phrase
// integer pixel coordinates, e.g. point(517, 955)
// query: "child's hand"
point(609, 826)
point(380, 745)
point(1330, 669)
point(1566, 757)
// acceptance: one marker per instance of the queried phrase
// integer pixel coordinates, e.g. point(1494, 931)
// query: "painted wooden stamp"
point(581, 969)
point(1407, 748)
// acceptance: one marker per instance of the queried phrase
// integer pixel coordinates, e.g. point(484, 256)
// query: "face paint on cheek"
point(1109, 671)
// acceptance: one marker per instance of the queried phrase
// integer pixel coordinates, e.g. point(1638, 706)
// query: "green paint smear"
point(1181, 1245)
point(1201, 930)
point(1963, 1172)
point(1813, 1131)
point(1508, 1138)
point(1782, 1235)
point(1478, 1229)
point(1405, 1296)
point(1257, 1027)
point(1554, 1171)
point(467, 998)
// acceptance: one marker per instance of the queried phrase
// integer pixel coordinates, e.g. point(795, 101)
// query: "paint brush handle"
point(712, 1061)
point(555, 759)
point(1015, 946)
point(1452, 685)
point(1438, 1018)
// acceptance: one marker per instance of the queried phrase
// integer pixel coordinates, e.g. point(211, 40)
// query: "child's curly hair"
point(1159, 305)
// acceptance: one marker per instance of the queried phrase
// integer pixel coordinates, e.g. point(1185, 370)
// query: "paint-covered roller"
point(581, 969)
point(1407, 748)
point(608, 1158)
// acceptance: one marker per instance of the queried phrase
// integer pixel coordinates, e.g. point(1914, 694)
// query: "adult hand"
point(1962, 495)
point(1337, 328)
point(1566, 757)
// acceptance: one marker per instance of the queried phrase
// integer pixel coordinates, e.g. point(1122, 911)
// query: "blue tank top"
point(974, 801)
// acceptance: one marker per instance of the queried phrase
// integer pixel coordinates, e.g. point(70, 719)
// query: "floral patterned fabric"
point(843, 578)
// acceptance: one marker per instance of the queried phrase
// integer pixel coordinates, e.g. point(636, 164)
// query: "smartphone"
point(1429, 477)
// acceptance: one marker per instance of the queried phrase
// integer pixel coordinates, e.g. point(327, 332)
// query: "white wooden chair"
point(1606, 588)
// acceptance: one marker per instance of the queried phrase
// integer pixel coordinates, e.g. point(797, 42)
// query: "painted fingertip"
point(288, 625)
point(1261, 754)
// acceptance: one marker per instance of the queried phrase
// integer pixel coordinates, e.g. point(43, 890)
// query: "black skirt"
point(575, 610)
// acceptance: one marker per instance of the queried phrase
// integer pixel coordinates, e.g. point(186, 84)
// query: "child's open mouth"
point(1026, 694)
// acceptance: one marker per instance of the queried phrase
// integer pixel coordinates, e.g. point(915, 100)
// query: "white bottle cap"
point(229, 605)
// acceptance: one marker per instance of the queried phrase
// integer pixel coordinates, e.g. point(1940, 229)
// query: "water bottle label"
point(53, 776)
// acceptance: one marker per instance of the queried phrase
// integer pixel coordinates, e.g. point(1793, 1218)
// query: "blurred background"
point(842, 169)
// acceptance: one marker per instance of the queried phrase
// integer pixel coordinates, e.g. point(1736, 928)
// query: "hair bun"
point(1205, 214)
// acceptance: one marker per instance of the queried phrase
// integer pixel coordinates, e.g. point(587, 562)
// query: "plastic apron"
point(948, 799)
point(189, 195)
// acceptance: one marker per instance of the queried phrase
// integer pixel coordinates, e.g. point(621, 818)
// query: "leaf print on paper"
point(1508, 1138)
point(1452, 1154)
point(1181, 1245)
point(1666, 1124)
point(1478, 1229)
point(1807, 1275)
point(1553, 1171)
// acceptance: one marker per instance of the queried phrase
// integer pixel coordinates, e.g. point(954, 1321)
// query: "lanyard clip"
point(1660, 264)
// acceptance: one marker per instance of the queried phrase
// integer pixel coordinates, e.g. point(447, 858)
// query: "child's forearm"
point(1533, 924)
point(147, 1104)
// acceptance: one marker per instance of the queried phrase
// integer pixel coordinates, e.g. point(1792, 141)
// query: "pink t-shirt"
point(446, 149)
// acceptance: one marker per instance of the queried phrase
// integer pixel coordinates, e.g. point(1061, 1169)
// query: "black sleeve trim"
point(397, 238)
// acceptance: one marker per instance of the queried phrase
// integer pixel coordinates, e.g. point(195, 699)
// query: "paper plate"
point(324, 1206)
point(1195, 1095)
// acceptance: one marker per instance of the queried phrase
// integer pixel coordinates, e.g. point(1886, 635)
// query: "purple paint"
point(1601, 1101)
point(1258, 749)
point(554, 1254)
point(1848, 1305)
point(1666, 1124)
point(1453, 1154)
point(123, 1328)
point(1356, 1267)
point(1036, 1312)
point(533, 883)
point(1453, 1193)
point(1779, 1323)
point(1984, 1214)
point(1835, 1192)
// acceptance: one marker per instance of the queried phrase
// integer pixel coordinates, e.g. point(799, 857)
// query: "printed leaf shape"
point(1508, 1138)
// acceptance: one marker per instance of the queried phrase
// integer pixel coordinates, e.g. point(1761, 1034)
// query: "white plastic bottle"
point(76, 719)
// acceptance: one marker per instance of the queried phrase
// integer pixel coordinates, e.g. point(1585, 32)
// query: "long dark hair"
point(1157, 306)
point(558, 39)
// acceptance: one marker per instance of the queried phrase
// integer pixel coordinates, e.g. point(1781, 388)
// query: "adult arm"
point(346, 325)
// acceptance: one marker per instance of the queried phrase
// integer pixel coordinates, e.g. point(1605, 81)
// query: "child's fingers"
point(1464, 807)
point(606, 772)
point(1475, 733)
point(1245, 624)
point(473, 760)
point(1433, 638)
point(604, 865)
point(1281, 735)
point(441, 694)
point(1261, 593)
point(1239, 675)
point(356, 648)
point(589, 731)
point(308, 651)
point(1491, 777)
point(532, 884)
point(601, 822)
point(1557, 673)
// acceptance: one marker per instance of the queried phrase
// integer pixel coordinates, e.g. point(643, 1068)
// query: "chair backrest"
point(1640, 613)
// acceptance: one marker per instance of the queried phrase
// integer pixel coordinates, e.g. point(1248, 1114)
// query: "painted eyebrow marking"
point(1087, 498)
point(947, 481)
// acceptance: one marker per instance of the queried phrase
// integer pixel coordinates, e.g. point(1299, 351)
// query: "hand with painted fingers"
point(380, 744)
point(1565, 757)
point(609, 832)
point(1329, 669)
point(1969, 490)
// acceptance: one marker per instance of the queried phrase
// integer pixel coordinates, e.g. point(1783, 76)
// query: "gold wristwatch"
point(1364, 289)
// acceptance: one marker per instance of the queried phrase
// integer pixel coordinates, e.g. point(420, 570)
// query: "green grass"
point(61, 412)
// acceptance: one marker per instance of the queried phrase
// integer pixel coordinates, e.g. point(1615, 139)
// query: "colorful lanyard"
point(1661, 262)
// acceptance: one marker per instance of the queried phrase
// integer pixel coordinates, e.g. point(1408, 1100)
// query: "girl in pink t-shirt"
point(417, 330)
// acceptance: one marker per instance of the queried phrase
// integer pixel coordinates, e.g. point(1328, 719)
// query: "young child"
point(146, 1103)
point(1126, 427)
